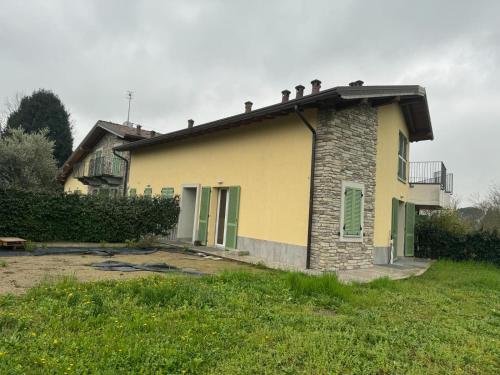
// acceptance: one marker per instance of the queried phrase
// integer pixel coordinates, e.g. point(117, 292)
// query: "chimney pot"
point(316, 86)
point(190, 123)
point(356, 83)
point(285, 95)
point(248, 106)
point(138, 129)
point(299, 91)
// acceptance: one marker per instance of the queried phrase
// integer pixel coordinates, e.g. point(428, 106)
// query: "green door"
point(409, 229)
point(204, 209)
point(394, 227)
point(232, 217)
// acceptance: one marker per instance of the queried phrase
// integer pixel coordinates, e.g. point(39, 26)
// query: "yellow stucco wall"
point(270, 161)
point(388, 186)
point(72, 184)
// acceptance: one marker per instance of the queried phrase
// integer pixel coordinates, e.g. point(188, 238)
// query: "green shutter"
point(204, 210)
point(232, 217)
point(116, 166)
point(148, 191)
point(167, 192)
point(410, 230)
point(132, 192)
point(394, 226)
point(352, 212)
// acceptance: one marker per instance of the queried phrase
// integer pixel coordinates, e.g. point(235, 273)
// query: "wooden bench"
point(12, 242)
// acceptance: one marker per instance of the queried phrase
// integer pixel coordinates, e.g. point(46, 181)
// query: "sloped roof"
point(412, 99)
point(101, 127)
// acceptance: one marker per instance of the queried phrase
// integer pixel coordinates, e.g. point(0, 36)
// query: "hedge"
point(436, 241)
point(40, 216)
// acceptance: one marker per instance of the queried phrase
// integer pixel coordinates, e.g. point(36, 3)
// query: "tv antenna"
point(129, 98)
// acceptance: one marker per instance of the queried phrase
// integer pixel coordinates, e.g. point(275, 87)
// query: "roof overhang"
point(412, 99)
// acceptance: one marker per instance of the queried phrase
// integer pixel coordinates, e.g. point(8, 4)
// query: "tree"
point(44, 110)
point(490, 208)
point(27, 161)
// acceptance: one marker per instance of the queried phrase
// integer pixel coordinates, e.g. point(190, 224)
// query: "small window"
point(117, 166)
point(167, 192)
point(132, 192)
point(148, 191)
point(402, 157)
point(352, 210)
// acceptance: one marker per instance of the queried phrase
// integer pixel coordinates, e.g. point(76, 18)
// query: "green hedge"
point(70, 217)
point(437, 238)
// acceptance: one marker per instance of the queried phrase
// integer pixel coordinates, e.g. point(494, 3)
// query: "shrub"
point(41, 216)
point(444, 236)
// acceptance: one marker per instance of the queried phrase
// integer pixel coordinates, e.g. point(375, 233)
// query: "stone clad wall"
point(345, 151)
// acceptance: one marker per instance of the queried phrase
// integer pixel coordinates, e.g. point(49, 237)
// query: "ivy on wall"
point(40, 216)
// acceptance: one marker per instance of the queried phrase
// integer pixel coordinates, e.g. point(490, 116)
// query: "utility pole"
point(129, 97)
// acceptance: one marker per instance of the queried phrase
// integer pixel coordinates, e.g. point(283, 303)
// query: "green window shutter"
point(409, 229)
point(204, 210)
point(167, 192)
point(132, 192)
point(232, 217)
point(148, 191)
point(394, 225)
point(116, 166)
point(352, 212)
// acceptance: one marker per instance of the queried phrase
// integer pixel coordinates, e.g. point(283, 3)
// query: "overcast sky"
point(204, 59)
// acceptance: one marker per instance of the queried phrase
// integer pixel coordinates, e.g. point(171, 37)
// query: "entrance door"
point(222, 204)
point(187, 216)
point(394, 227)
point(410, 230)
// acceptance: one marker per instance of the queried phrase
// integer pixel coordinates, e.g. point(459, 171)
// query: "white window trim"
point(404, 158)
point(355, 185)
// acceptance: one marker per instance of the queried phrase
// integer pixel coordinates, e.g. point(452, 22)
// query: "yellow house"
point(319, 181)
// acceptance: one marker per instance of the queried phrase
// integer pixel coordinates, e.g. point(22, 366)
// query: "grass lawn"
point(446, 321)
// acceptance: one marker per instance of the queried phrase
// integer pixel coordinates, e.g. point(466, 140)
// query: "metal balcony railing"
point(100, 166)
point(431, 172)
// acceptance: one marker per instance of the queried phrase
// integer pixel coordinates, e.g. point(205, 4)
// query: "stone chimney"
point(316, 86)
point(248, 107)
point(285, 96)
point(190, 123)
point(138, 129)
point(299, 91)
point(356, 83)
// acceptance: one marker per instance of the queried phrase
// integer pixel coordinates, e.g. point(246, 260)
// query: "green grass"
point(3, 263)
point(444, 322)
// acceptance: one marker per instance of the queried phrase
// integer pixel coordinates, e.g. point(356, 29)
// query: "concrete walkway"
point(401, 269)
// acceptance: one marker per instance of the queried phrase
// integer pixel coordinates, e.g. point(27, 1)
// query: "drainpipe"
point(311, 183)
point(125, 178)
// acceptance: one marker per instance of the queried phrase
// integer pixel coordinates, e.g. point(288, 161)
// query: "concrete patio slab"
point(401, 269)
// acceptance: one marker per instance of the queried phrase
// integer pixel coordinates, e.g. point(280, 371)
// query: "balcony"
point(100, 170)
point(431, 186)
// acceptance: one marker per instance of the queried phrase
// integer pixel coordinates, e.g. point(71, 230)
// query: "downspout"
point(125, 178)
point(311, 183)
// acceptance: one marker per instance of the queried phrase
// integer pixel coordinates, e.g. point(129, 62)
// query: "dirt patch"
point(24, 272)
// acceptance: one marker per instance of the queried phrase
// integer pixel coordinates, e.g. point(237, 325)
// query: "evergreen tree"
point(44, 110)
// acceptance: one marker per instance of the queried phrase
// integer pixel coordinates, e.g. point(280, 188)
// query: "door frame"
point(196, 207)
point(223, 245)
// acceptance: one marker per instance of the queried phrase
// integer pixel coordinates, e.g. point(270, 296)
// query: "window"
point(132, 192)
point(402, 157)
point(117, 166)
point(167, 192)
point(352, 210)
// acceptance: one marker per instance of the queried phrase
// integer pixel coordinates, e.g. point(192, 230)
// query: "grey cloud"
point(203, 59)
